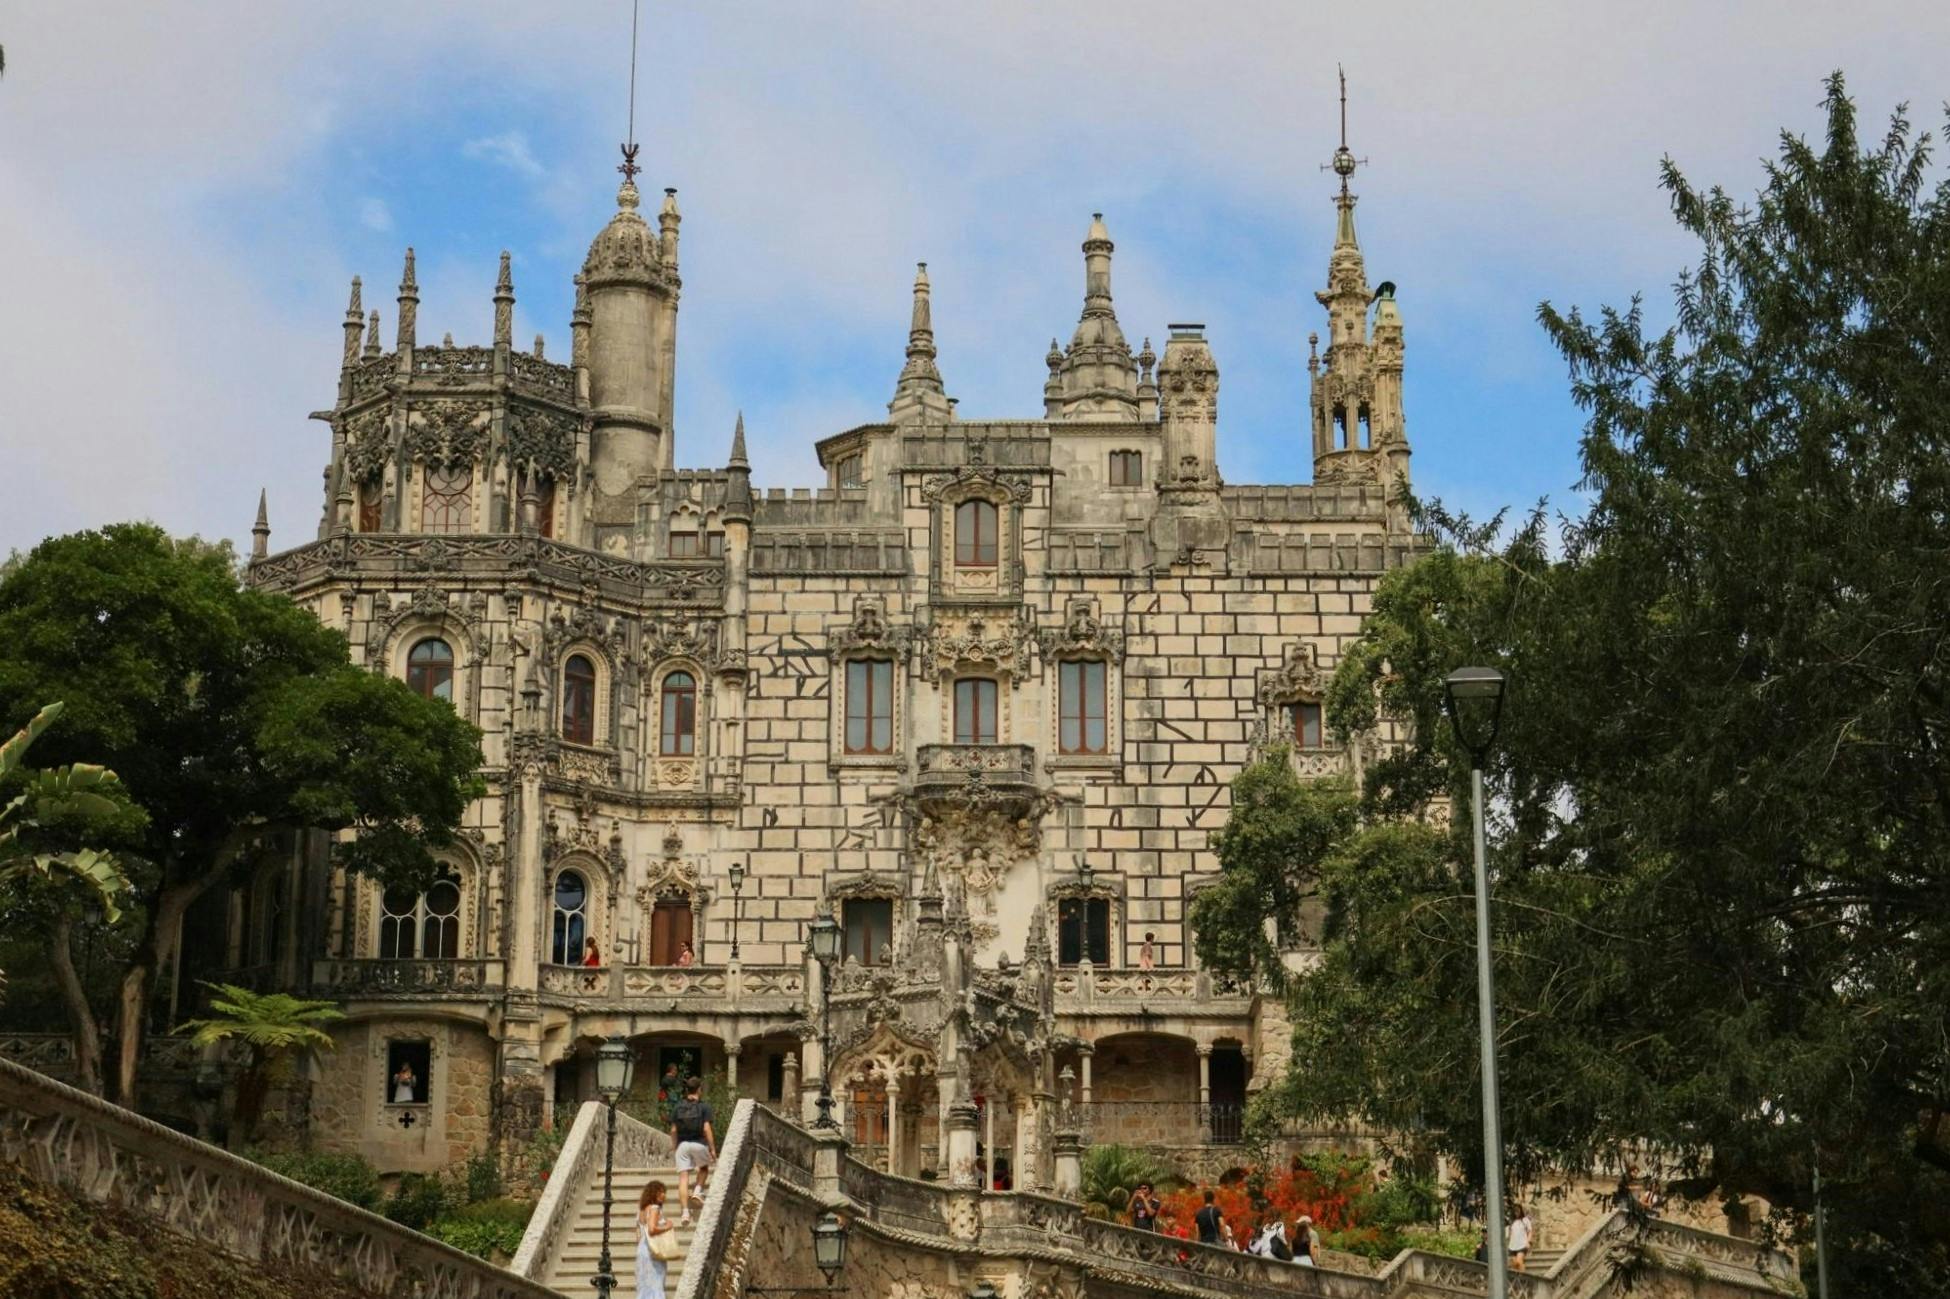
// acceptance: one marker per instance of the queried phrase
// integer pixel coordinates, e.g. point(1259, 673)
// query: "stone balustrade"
point(702, 988)
point(638, 1145)
point(496, 557)
point(57, 1134)
point(407, 978)
point(1087, 989)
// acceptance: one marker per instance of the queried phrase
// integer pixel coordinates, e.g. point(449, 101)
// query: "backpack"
point(689, 1118)
point(1281, 1250)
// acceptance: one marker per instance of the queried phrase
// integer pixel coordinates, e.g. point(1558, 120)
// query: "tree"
point(277, 1028)
point(233, 717)
point(1721, 800)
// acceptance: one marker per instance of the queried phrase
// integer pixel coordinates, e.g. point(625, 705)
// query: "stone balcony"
point(975, 777)
point(416, 979)
point(700, 989)
point(1092, 990)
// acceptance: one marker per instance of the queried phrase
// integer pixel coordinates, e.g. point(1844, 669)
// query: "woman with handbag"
point(656, 1242)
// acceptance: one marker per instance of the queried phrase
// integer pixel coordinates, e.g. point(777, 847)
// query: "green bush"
point(351, 1178)
point(487, 1229)
point(1400, 1202)
point(1456, 1244)
point(417, 1201)
point(483, 1178)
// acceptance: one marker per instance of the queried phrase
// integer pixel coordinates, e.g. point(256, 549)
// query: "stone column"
point(1069, 1163)
point(964, 1173)
point(829, 1148)
point(813, 1050)
point(733, 1050)
point(1084, 1054)
point(790, 1087)
point(1205, 1089)
point(894, 1124)
point(988, 1141)
point(1022, 1155)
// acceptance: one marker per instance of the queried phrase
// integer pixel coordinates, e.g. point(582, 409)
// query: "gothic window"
point(975, 700)
point(579, 700)
point(1126, 468)
point(571, 925)
point(679, 716)
point(684, 545)
point(976, 526)
point(1367, 433)
point(870, 706)
point(1303, 723)
point(425, 925)
point(849, 472)
point(448, 505)
point(1081, 709)
point(1340, 428)
point(869, 925)
point(369, 500)
point(670, 930)
point(545, 508)
point(430, 669)
point(1083, 931)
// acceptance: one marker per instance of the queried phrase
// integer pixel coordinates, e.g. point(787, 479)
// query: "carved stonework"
point(975, 846)
point(697, 639)
point(956, 641)
point(446, 433)
point(1082, 634)
point(367, 446)
point(542, 441)
point(1298, 677)
point(428, 604)
point(870, 632)
point(985, 480)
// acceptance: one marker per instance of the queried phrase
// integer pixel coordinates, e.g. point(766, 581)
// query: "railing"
point(1086, 987)
point(937, 764)
point(559, 379)
point(637, 1145)
point(697, 581)
point(1163, 1123)
point(57, 1134)
point(689, 983)
point(453, 364)
point(407, 977)
point(738, 1153)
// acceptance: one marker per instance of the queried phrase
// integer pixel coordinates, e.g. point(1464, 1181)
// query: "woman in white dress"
point(650, 1221)
point(404, 1085)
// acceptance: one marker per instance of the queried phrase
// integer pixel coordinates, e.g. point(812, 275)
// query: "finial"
point(738, 460)
point(407, 284)
point(355, 325)
point(355, 310)
point(261, 530)
point(538, 348)
point(409, 304)
point(1313, 352)
point(372, 335)
point(505, 280)
point(669, 207)
point(1055, 357)
point(1147, 358)
point(447, 339)
point(504, 304)
point(629, 167)
point(1343, 162)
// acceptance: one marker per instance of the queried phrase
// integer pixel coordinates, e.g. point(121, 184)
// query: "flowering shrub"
point(1325, 1190)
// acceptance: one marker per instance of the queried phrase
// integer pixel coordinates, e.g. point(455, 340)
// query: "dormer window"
point(976, 530)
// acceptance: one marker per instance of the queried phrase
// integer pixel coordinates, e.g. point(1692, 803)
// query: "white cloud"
point(508, 149)
point(375, 215)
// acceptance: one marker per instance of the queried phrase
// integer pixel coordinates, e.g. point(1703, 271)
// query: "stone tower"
point(1095, 378)
point(630, 285)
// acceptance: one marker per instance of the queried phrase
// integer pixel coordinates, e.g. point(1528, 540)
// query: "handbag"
point(663, 1247)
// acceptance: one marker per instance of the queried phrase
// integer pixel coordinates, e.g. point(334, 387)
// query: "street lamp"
point(614, 1064)
point(1086, 876)
point(737, 904)
point(824, 940)
point(1474, 699)
point(829, 1255)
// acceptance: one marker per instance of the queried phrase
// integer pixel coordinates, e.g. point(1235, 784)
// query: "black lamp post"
point(824, 939)
point(614, 1064)
point(1474, 699)
point(829, 1255)
point(737, 904)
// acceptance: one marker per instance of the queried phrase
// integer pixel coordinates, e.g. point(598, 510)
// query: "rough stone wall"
point(349, 1112)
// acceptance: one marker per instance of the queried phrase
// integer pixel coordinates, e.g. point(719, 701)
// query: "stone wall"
point(350, 1111)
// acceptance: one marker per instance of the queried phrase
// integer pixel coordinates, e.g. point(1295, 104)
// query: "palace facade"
point(979, 696)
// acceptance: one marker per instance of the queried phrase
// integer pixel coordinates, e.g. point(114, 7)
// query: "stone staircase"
point(574, 1259)
point(1541, 1261)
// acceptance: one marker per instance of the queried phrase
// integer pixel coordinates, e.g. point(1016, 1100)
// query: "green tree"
point(277, 1029)
point(1111, 1175)
point(1721, 802)
point(233, 717)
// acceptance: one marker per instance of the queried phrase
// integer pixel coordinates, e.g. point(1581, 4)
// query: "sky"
point(187, 190)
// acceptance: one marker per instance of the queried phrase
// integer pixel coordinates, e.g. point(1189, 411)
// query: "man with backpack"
point(697, 1146)
point(1209, 1221)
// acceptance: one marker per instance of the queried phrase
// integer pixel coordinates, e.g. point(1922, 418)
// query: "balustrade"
point(1162, 1123)
point(415, 978)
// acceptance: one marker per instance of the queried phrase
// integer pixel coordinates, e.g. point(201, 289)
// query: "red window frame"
point(869, 706)
point(977, 704)
point(677, 719)
point(579, 700)
point(1083, 697)
point(978, 524)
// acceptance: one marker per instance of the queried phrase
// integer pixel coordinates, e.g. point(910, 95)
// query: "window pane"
point(448, 503)
point(430, 669)
point(443, 899)
point(1304, 721)
point(683, 545)
point(1098, 911)
point(579, 701)
point(570, 891)
point(883, 707)
point(1069, 931)
point(679, 715)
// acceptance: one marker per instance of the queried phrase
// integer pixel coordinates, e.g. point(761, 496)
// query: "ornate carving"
point(542, 441)
point(367, 444)
point(977, 480)
point(1082, 634)
point(698, 639)
point(1298, 677)
point(870, 632)
point(954, 641)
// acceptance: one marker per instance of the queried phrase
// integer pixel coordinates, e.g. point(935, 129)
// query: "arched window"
point(679, 716)
point(975, 534)
point(430, 669)
point(448, 505)
point(426, 925)
point(975, 699)
point(571, 918)
point(579, 700)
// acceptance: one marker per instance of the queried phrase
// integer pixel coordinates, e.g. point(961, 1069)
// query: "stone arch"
point(459, 860)
point(598, 908)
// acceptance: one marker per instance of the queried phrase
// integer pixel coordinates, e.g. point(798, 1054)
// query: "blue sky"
point(184, 196)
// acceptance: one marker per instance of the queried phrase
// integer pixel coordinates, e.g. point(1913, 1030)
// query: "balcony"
point(407, 978)
point(1087, 989)
point(976, 777)
point(704, 988)
point(1162, 1125)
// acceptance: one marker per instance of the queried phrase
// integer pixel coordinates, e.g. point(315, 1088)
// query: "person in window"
point(592, 958)
point(1144, 1208)
point(697, 1145)
point(406, 1084)
point(685, 956)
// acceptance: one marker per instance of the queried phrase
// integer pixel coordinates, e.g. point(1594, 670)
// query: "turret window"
point(1367, 432)
point(369, 502)
point(1127, 469)
point(975, 708)
point(545, 509)
point(870, 706)
point(448, 504)
point(1340, 428)
point(430, 669)
point(679, 716)
point(1081, 724)
point(579, 700)
point(976, 528)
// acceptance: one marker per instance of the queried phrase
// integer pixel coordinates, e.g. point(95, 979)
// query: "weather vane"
point(629, 167)
point(1344, 162)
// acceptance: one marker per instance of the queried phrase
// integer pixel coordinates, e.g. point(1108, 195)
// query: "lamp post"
point(737, 904)
point(1474, 699)
point(614, 1064)
point(829, 1256)
point(824, 939)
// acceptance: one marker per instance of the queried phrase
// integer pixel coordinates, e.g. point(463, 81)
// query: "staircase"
point(1538, 1262)
point(574, 1260)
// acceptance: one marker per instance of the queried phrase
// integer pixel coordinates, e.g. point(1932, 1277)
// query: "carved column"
point(1084, 1054)
point(790, 1070)
point(988, 1142)
point(1069, 1163)
point(733, 1049)
point(1205, 1088)
point(1022, 1156)
point(894, 1123)
point(964, 1173)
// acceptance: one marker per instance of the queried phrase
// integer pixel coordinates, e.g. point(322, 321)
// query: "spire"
point(1347, 248)
point(1097, 249)
point(540, 346)
point(261, 530)
point(355, 323)
point(738, 477)
point(504, 304)
point(372, 335)
point(668, 219)
point(918, 396)
point(1098, 376)
point(409, 303)
point(738, 460)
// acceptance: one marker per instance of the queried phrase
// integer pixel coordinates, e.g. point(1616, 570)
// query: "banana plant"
point(48, 794)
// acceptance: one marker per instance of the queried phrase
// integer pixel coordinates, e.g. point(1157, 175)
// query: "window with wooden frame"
point(670, 930)
point(685, 545)
point(869, 930)
point(1083, 931)
point(869, 706)
point(977, 526)
point(370, 499)
point(430, 669)
point(545, 508)
point(679, 716)
point(1081, 725)
point(975, 709)
point(579, 700)
point(1303, 723)
point(1127, 469)
point(849, 472)
point(447, 505)
point(424, 925)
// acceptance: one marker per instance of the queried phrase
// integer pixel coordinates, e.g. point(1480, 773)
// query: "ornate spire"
point(668, 219)
point(1345, 273)
point(738, 460)
point(372, 335)
point(540, 348)
point(1098, 376)
point(355, 323)
point(504, 304)
point(918, 396)
point(409, 303)
point(261, 530)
